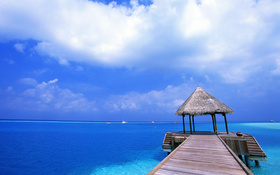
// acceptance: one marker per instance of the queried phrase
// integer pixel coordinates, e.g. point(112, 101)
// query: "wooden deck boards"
point(200, 154)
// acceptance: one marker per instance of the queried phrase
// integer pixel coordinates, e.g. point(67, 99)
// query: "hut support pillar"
point(190, 121)
point(193, 123)
point(213, 122)
point(216, 128)
point(225, 122)
point(184, 130)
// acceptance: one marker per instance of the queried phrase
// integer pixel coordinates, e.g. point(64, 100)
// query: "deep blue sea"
point(89, 148)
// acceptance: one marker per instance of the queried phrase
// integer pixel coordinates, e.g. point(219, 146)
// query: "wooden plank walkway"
point(201, 154)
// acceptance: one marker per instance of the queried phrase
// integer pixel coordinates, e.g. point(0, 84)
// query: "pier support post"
point(240, 157)
point(225, 122)
point(184, 130)
point(247, 161)
point(257, 163)
point(190, 120)
point(193, 123)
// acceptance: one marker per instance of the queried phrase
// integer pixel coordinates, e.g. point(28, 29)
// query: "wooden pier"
point(206, 152)
point(201, 154)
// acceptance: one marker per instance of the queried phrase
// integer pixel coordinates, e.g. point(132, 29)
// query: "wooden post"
point(257, 163)
point(183, 116)
point(213, 122)
point(216, 128)
point(190, 120)
point(193, 123)
point(225, 121)
point(173, 143)
point(240, 157)
point(247, 161)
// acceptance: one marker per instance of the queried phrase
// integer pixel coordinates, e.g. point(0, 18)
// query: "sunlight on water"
point(264, 125)
point(138, 167)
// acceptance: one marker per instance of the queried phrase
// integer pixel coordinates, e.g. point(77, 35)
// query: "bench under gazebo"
point(202, 103)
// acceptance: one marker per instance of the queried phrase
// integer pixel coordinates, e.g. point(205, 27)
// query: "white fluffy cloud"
point(28, 81)
point(48, 96)
point(159, 101)
point(228, 38)
point(277, 70)
point(19, 47)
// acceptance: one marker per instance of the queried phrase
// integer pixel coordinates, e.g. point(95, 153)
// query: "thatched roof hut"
point(202, 103)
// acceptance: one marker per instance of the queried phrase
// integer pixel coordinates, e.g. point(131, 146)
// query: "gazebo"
point(202, 103)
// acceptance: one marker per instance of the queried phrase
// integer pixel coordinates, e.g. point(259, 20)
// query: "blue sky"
point(137, 60)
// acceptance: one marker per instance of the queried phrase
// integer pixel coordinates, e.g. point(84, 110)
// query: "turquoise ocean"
point(89, 148)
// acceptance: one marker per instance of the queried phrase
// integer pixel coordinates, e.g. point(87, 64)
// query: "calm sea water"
point(68, 148)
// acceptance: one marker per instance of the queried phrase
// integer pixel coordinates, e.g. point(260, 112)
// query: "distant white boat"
point(153, 122)
point(123, 122)
point(271, 121)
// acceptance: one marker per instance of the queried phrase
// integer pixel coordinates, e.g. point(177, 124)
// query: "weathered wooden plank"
point(202, 164)
point(215, 147)
point(177, 170)
point(169, 172)
point(219, 160)
point(205, 153)
point(199, 146)
point(206, 167)
point(205, 150)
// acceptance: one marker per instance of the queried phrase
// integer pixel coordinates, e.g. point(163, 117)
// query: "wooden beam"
point(216, 128)
point(193, 123)
point(190, 121)
point(184, 130)
point(225, 122)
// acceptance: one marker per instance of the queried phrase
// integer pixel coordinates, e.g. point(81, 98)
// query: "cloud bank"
point(166, 100)
point(225, 38)
point(47, 96)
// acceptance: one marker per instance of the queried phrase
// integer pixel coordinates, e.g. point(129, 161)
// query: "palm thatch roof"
point(201, 103)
